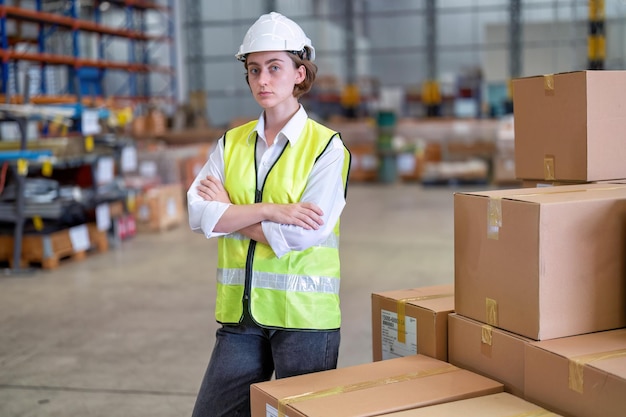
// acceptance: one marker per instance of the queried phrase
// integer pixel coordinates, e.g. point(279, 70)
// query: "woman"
point(272, 192)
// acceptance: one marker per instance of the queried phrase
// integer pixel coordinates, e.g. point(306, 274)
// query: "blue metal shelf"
point(24, 154)
point(86, 77)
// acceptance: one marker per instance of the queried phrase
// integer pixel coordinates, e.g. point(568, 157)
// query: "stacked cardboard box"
point(160, 208)
point(545, 263)
point(570, 126)
point(364, 162)
point(540, 275)
point(534, 265)
point(503, 163)
point(494, 405)
point(487, 350)
point(581, 375)
point(412, 321)
point(359, 137)
point(369, 389)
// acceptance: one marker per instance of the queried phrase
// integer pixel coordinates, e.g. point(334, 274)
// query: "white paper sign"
point(103, 217)
point(391, 348)
point(128, 160)
point(79, 236)
point(89, 122)
point(172, 208)
point(148, 169)
point(105, 170)
point(369, 162)
point(406, 163)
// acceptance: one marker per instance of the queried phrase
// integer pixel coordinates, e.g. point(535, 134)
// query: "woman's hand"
point(305, 215)
point(211, 189)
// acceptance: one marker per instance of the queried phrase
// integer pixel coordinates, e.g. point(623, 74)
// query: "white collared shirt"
point(325, 188)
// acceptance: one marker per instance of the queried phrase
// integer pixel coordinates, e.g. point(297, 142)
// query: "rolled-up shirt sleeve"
point(203, 214)
point(325, 188)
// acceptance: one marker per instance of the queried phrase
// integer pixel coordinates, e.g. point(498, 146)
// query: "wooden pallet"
point(72, 244)
point(99, 239)
point(6, 248)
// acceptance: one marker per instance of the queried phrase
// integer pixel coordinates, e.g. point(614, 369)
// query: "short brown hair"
point(311, 72)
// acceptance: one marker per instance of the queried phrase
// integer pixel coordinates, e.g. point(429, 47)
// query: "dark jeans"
point(246, 354)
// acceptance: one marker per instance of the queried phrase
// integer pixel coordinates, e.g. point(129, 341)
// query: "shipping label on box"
point(542, 263)
point(390, 345)
point(406, 322)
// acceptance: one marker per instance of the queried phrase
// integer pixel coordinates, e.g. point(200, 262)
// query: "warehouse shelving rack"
point(41, 163)
point(85, 72)
point(85, 75)
point(18, 161)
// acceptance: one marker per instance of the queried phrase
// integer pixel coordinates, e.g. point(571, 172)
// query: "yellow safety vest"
point(301, 289)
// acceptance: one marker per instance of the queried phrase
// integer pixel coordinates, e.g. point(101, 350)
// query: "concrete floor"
point(129, 332)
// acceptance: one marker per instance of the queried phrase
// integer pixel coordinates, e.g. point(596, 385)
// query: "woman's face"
point(272, 76)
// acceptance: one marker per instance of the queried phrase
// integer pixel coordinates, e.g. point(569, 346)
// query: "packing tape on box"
point(548, 83)
point(283, 403)
point(401, 311)
point(536, 413)
point(491, 311)
point(548, 168)
point(577, 365)
point(494, 217)
point(486, 334)
point(494, 207)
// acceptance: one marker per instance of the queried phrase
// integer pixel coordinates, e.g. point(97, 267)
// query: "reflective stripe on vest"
point(301, 289)
point(271, 281)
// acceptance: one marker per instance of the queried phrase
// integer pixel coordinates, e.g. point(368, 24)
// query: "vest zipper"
point(258, 197)
point(250, 258)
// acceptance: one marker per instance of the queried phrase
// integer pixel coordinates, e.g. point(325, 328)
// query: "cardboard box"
point(190, 168)
point(156, 123)
point(487, 350)
point(504, 170)
point(369, 389)
point(542, 263)
point(410, 164)
point(412, 321)
point(364, 162)
point(583, 376)
point(495, 405)
point(570, 126)
point(160, 208)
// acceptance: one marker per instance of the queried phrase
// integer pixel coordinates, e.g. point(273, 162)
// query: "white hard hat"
point(275, 32)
